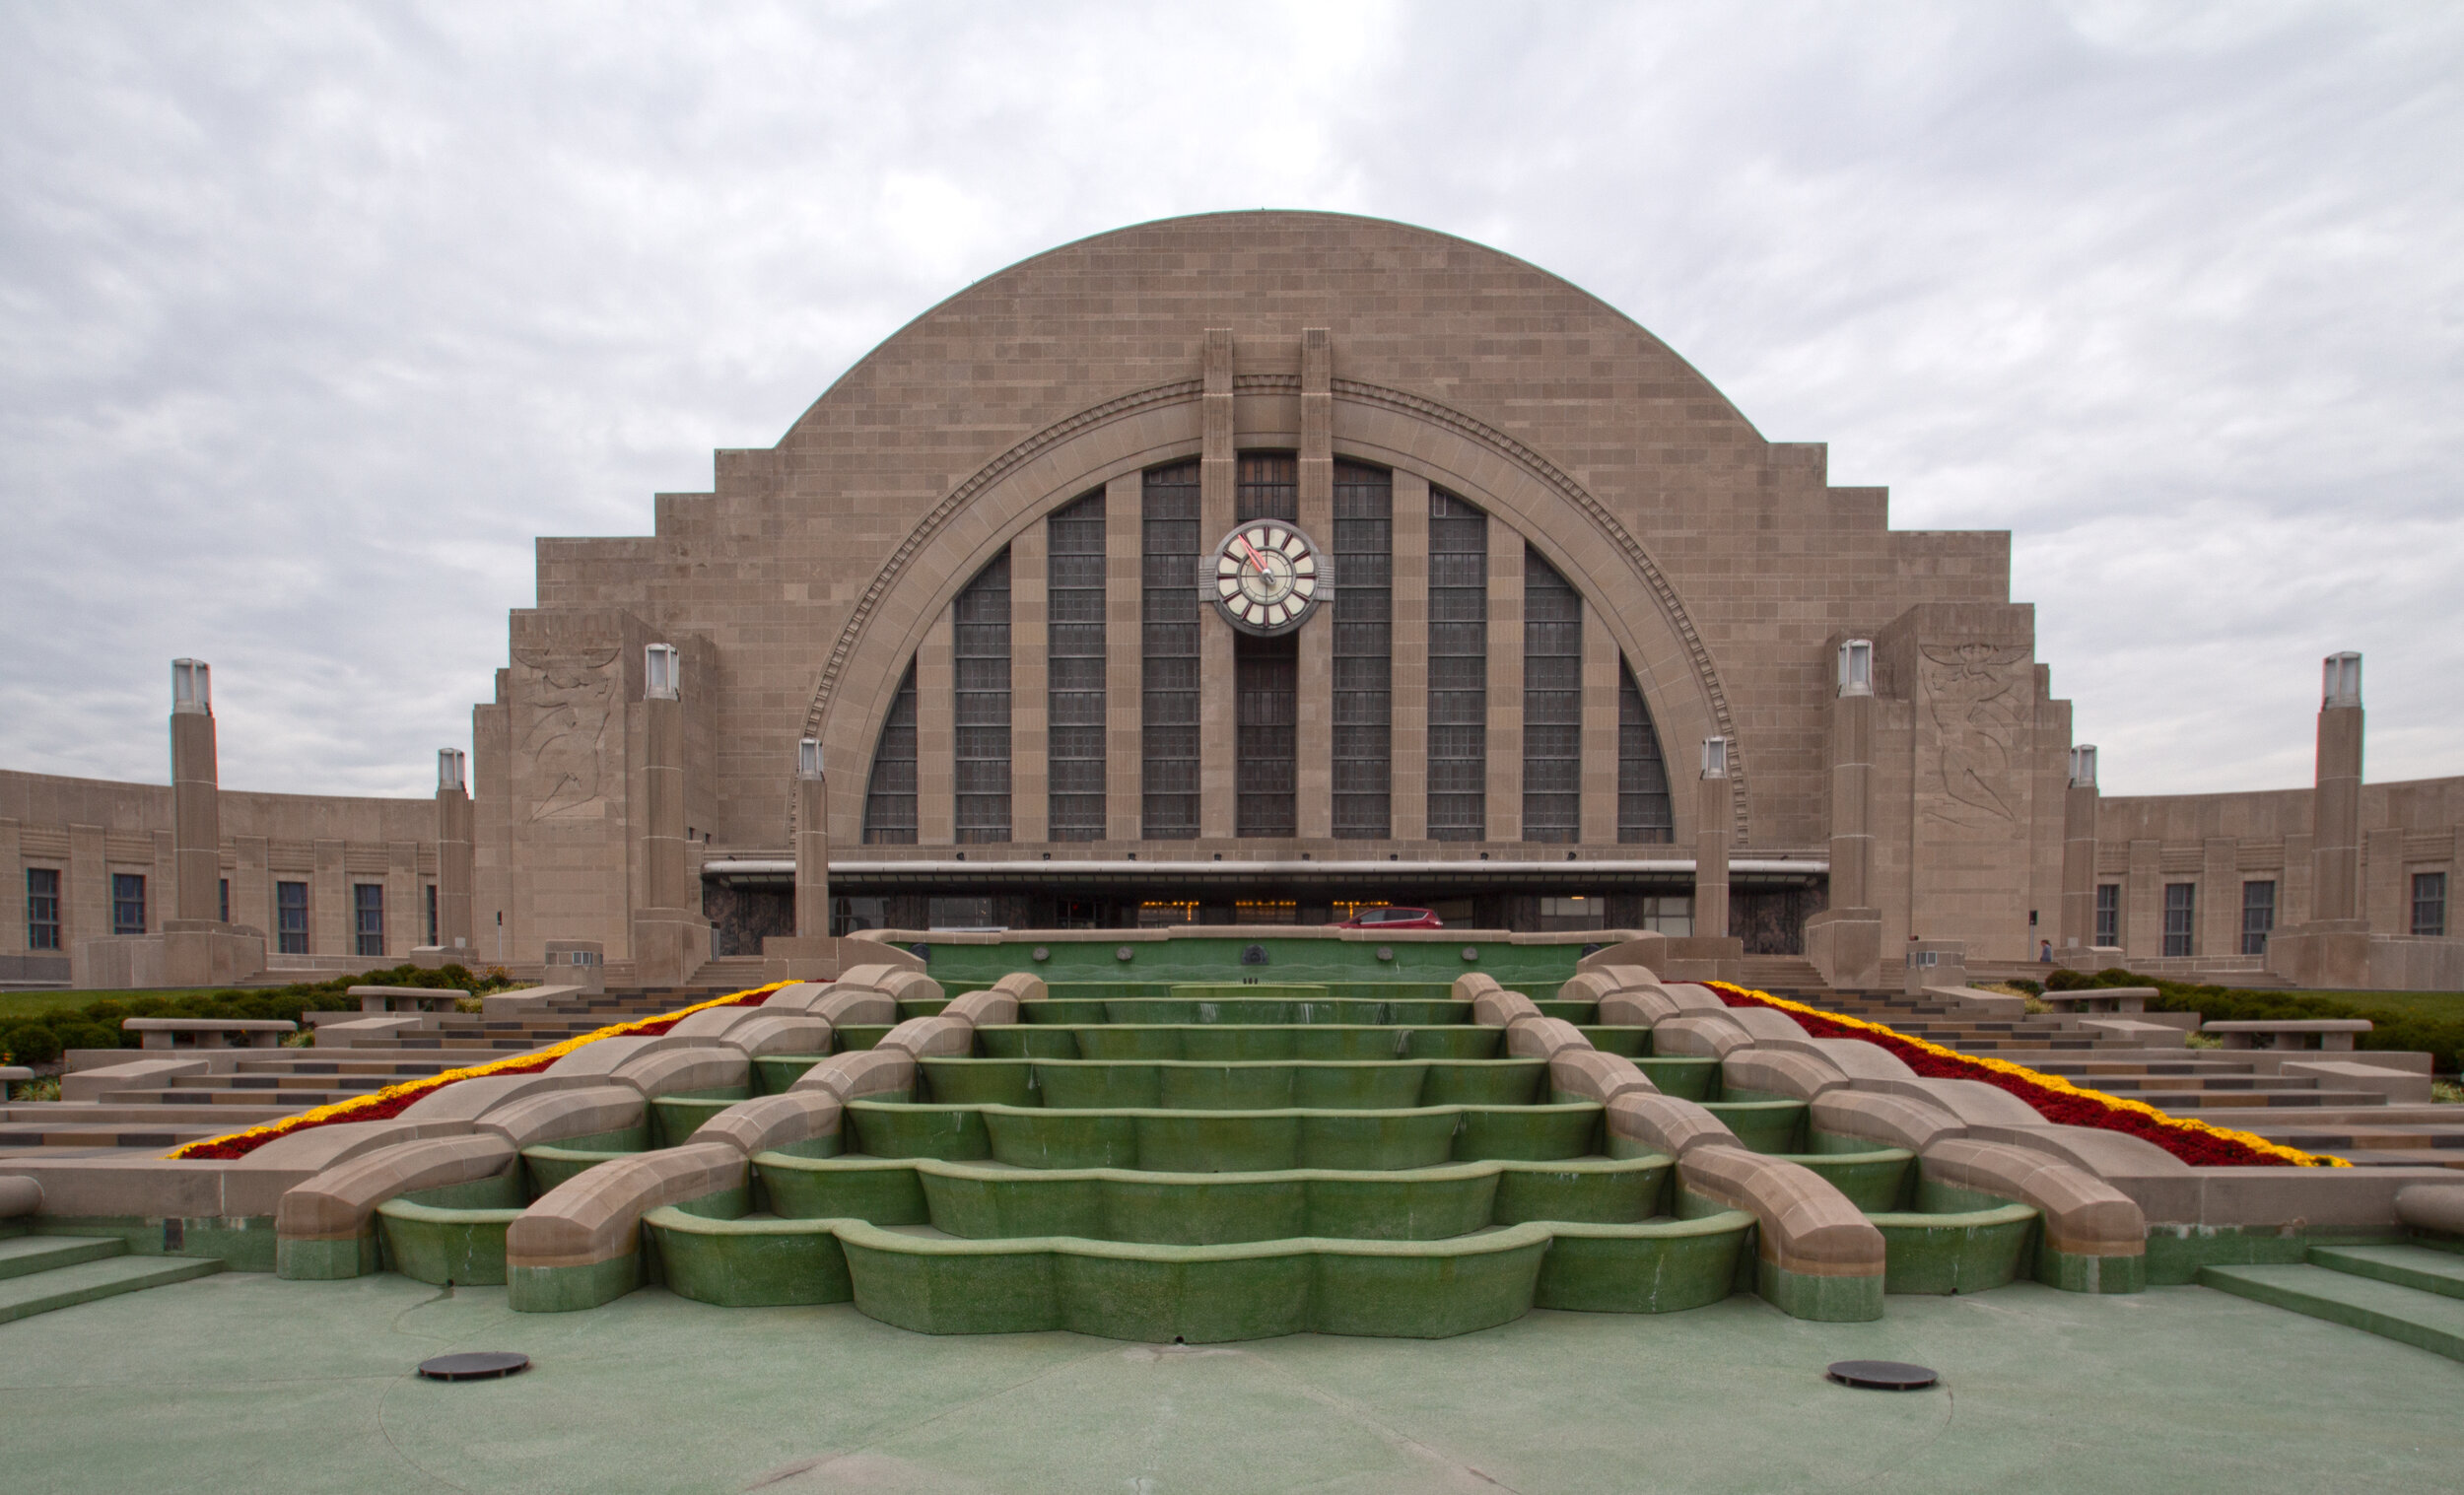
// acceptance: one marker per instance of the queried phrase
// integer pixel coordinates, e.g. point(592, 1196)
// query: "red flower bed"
point(2054, 1099)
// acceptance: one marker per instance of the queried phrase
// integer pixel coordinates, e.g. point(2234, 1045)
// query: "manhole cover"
point(477, 1366)
point(1882, 1375)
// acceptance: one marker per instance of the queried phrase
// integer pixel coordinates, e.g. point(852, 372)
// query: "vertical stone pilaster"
point(2079, 867)
point(2336, 809)
point(1600, 729)
point(2216, 921)
point(455, 867)
point(1713, 814)
point(936, 736)
point(13, 867)
point(1124, 679)
point(2142, 901)
point(196, 820)
point(1505, 682)
point(812, 856)
point(1218, 710)
point(2387, 893)
point(1411, 679)
point(406, 912)
point(1314, 805)
point(329, 902)
point(1030, 700)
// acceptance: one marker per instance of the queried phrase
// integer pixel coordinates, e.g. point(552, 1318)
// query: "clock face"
point(1269, 577)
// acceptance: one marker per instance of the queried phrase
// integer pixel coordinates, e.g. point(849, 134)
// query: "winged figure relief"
point(566, 707)
point(1979, 709)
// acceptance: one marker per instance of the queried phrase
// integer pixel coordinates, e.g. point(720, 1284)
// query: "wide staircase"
point(40, 1273)
point(2411, 1292)
point(1210, 1162)
point(2308, 1111)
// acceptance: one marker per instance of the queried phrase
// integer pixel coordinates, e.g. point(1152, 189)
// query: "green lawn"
point(37, 1003)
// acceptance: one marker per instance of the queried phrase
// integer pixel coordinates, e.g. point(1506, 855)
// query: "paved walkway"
point(240, 1382)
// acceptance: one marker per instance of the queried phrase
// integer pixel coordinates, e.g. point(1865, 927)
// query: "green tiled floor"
point(243, 1383)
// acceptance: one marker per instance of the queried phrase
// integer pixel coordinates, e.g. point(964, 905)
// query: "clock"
point(1269, 578)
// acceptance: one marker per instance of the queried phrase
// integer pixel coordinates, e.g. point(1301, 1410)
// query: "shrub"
point(86, 1036)
point(30, 1042)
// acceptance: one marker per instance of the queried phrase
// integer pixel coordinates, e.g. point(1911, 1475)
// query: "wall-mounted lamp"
point(662, 672)
point(1856, 667)
point(450, 763)
point(2083, 766)
point(809, 758)
point(2342, 685)
point(1714, 758)
point(192, 686)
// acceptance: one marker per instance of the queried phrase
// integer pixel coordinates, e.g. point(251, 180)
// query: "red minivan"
point(1393, 919)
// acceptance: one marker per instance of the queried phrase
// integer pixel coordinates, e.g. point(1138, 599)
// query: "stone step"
point(98, 1114)
point(67, 1286)
point(2244, 1100)
point(2414, 1266)
point(292, 1100)
point(21, 1256)
point(2409, 1316)
point(131, 1134)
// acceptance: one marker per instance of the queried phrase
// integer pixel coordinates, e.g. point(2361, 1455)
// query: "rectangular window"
point(1669, 915)
point(979, 643)
point(1364, 651)
point(368, 918)
point(2258, 916)
point(1573, 913)
point(1152, 915)
point(129, 902)
point(2429, 902)
point(1267, 486)
point(1265, 683)
point(2181, 903)
point(222, 904)
point(890, 795)
point(42, 907)
point(1552, 706)
point(291, 931)
point(1457, 669)
point(430, 892)
point(1645, 814)
point(2109, 915)
point(1168, 663)
point(1074, 655)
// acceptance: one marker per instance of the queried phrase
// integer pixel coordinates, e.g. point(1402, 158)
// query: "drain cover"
point(1882, 1375)
point(478, 1366)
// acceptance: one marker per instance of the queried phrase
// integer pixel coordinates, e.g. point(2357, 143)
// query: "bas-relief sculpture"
point(563, 731)
point(1979, 705)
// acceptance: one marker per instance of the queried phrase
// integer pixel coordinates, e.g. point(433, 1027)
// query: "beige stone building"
point(1255, 568)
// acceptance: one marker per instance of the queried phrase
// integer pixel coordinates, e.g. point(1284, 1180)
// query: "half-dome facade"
point(998, 573)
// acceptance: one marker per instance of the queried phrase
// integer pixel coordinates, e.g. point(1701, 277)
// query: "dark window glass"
point(1553, 704)
point(432, 916)
point(1364, 651)
point(2181, 901)
point(2258, 916)
point(2429, 902)
point(2109, 915)
point(1168, 637)
point(1074, 658)
point(291, 931)
point(368, 918)
point(42, 907)
point(1267, 487)
point(979, 651)
point(890, 795)
point(1265, 683)
point(222, 900)
point(1645, 814)
point(129, 902)
point(1457, 669)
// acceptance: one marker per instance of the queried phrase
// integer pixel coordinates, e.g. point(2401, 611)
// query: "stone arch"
point(1640, 606)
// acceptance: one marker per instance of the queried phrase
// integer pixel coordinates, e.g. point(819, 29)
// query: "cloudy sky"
point(312, 317)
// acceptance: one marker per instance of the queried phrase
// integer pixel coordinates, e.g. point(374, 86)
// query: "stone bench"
point(2331, 1033)
point(208, 1032)
point(2130, 999)
point(408, 998)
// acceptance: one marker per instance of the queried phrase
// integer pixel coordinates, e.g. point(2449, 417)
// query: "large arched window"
point(890, 795)
point(1457, 669)
point(1644, 814)
point(1364, 651)
point(1168, 640)
point(1074, 683)
point(1553, 704)
point(979, 708)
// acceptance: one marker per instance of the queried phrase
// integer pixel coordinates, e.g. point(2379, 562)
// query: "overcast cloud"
point(312, 317)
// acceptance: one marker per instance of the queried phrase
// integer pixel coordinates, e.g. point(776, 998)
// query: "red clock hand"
point(1255, 559)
